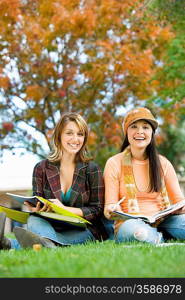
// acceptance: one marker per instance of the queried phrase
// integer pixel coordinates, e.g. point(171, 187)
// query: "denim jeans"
point(68, 235)
point(109, 227)
point(138, 230)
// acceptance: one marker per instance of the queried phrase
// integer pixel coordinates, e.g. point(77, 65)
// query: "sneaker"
point(4, 242)
point(27, 238)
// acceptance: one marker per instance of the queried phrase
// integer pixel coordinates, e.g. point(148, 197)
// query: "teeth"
point(73, 145)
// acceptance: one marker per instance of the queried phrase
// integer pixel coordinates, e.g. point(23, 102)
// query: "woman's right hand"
point(109, 208)
point(38, 207)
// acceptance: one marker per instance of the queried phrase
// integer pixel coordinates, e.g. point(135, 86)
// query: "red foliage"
point(62, 93)
point(8, 126)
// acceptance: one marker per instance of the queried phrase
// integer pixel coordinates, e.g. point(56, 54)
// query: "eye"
point(133, 126)
point(80, 134)
point(146, 127)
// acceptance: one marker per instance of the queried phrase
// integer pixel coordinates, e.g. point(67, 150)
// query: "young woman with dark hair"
point(155, 168)
point(147, 181)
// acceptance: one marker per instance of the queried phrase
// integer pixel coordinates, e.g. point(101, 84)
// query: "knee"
point(136, 230)
point(132, 230)
point(140, 234)
point(33, 222)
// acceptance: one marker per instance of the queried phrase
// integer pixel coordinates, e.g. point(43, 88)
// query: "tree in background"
point(170, 88)
point(94, 57)
point(172, 145)
point(172, 74)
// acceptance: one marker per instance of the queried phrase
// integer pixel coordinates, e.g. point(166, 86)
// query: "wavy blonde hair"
point(55, 154)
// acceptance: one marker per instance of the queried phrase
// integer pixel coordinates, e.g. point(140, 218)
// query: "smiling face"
point(139, 134)
point(72, 138)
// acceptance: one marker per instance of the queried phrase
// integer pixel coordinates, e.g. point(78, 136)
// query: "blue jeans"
point(138, 230)
point(69, 235)
point(109, 227)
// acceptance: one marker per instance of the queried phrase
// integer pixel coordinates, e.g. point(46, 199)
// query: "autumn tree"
point(170, 88)
point(94, 57)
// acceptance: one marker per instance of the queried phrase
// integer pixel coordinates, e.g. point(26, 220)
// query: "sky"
point(16, 171)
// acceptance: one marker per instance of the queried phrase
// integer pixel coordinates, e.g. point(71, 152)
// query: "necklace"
point(145, 189)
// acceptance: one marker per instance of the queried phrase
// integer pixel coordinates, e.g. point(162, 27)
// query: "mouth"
point(74, 146)
point(139, 138)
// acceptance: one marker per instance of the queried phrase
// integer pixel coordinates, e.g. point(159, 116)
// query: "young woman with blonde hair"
point(73, 182)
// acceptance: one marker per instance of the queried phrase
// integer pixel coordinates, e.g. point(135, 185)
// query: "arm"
point(37, 181)
point(172, 184)
point(37, 187)
point(94, 208)
point(74, 210)
point(112, 183)
point(173, 187)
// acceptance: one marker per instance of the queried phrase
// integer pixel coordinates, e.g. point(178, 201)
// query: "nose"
point(75, 137)
point(139, 130)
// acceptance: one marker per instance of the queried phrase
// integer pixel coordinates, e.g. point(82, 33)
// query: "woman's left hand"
point(179, 211)
point(57, 202)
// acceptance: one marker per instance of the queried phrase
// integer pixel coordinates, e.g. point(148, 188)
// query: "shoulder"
point(114, 160)
point(43, 165)
point(163, 160)
point(93, 167)
point(113, 166)
point(165, 163)
point(94, 174)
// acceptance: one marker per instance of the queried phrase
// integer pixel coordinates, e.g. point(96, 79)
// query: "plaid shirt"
point(87, 190)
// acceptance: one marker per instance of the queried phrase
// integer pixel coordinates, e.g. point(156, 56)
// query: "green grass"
point(94, 260)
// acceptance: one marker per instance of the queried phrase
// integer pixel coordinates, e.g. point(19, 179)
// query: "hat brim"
point(153, 123)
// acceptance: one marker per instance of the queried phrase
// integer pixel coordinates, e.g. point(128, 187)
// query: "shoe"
point(4, 242)
point(27, 238)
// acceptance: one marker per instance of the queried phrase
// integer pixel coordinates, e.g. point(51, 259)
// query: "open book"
point(58, 213)
point(32, 200)
point(149, 219)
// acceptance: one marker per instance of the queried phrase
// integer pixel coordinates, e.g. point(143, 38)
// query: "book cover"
point(57, 213)
point(22, 216)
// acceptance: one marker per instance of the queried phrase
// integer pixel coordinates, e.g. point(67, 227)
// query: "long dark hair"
point(155, 169)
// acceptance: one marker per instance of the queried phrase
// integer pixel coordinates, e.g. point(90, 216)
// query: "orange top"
point(149, 202)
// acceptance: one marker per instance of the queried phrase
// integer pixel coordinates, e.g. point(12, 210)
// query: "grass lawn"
point(95, 260)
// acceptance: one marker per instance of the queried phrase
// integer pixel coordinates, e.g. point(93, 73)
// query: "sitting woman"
point(71, 181)
point(146, 180)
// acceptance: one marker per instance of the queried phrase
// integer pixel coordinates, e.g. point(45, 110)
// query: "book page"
point(21, 199)
point(125, 216)
point(170, 209)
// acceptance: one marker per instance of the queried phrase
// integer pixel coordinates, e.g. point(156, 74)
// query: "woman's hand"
point(179, 211)
point(109, 208)
point(38, 207)
point(57, 202)
point(74, 210)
